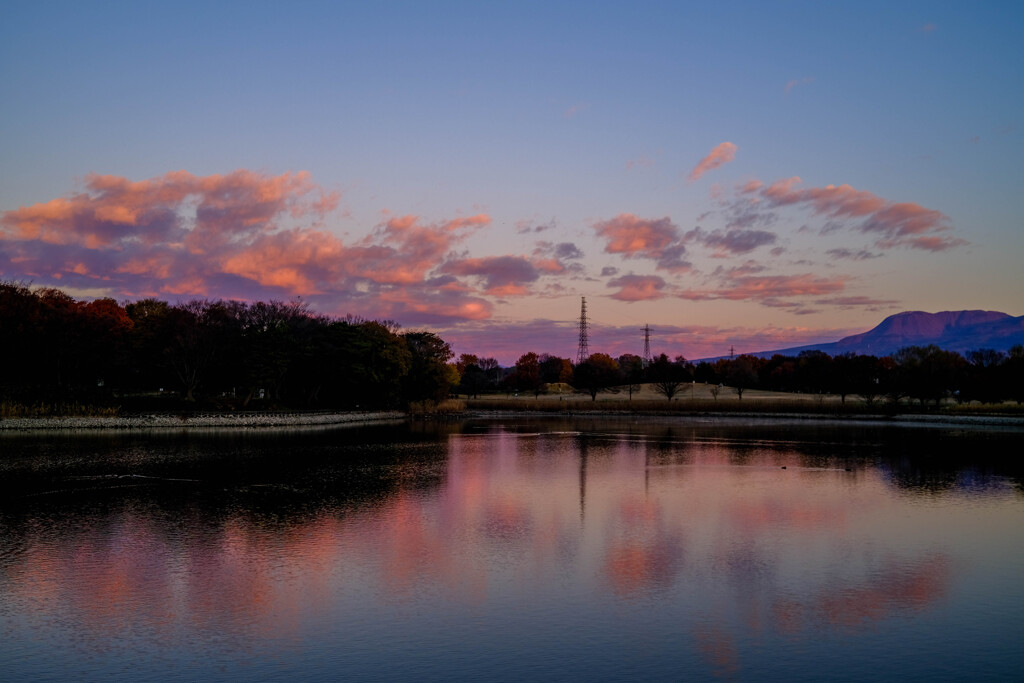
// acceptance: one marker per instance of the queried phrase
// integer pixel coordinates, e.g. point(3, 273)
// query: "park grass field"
point(706, 398)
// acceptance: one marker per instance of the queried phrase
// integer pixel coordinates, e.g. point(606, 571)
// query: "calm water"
point(515, 551)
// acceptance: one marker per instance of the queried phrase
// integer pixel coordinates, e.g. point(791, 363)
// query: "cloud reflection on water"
point(716, 531)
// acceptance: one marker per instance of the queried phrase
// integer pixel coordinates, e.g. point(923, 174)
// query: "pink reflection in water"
point(513, 514)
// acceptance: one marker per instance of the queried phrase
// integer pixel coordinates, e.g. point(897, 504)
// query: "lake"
point(523, 549)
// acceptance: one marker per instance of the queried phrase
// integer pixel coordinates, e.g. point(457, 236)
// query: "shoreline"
point(907, 419)
point(356, 419)
point(210, 420)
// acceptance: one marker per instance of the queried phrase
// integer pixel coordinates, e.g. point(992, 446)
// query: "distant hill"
point(959, 331)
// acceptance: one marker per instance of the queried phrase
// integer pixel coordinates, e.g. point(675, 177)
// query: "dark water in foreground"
point(592, 550)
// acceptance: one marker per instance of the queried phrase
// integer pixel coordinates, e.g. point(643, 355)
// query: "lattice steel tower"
point(583, 351)
point(647, 345)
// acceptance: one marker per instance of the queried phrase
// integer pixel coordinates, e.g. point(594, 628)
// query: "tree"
point(465, 360)
point(930, 373)
point(491, 369)
point(274, 337)
point(741, 373)
point(370, 364)
point(892, 379)
point(596, 374)
point(985, 376)
point(198, 329)
point(428, 377)
point(473, 380)
point(844, 375)
point(632, 367)
point(526, 376)
point(780, 373)
point(55, 348)
point(554, 369)
point(667, 376)
point(868, 377)
point(814, 371)
point(705, 372)
point(1014, 372)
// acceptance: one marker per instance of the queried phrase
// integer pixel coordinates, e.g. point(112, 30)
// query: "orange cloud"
point(627, 234)
point(638, 287)
point(719, 156)
point(235, 235)
point(635, 237)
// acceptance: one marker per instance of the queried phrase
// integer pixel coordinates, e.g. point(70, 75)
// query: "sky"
point(734, 175)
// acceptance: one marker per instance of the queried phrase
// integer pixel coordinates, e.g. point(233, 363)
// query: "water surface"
point(531, 549)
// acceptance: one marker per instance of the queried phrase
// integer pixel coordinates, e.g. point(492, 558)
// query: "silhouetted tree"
point(1014, 373)
point(473, 380)
point(526, 376)
point(985, 376)
point(554, 369)
point(428, 377)
point(667, 376)
point(598, 373)
point(492, 370)
point(705, 372)
point(929, 373)
point(741, 373)
point(814, 371)
point(633, 372)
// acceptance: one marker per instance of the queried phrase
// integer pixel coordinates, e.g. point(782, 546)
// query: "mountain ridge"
point(959, 331)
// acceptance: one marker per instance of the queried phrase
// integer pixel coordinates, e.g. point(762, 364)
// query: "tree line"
point(55, 348)
point(927, 374)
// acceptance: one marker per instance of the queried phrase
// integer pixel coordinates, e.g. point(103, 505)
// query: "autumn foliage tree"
point(526, 375)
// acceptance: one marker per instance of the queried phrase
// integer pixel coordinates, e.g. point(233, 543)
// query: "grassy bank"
point(756, 404)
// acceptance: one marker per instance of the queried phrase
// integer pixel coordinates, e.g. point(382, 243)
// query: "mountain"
point(960, 331)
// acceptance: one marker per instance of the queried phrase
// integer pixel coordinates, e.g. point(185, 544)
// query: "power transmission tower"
point(647, 345)
point(732, 351)
point(583, 351)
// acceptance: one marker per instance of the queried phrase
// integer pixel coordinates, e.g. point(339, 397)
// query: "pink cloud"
point(237, 235)
point(635, 237)
point(719, 156)
point(630, 235)
point(638, 287)
point(897, 223)
point(431, 307)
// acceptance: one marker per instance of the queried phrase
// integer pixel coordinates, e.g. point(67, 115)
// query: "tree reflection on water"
point(722, 537)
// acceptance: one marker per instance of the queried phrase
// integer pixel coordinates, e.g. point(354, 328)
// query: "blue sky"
point(549, 120)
